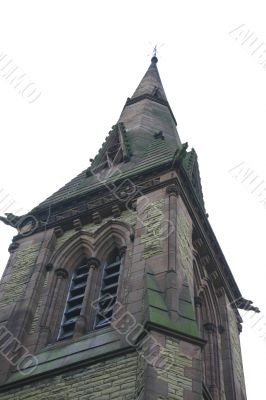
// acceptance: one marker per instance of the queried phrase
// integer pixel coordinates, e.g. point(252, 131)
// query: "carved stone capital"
point(93, 262)
point(210, 327)
point(122, 251)
point(61, 273)
point(172, 190)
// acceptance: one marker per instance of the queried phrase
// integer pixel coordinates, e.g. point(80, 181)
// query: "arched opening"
point(109, 289)
point(74, 301)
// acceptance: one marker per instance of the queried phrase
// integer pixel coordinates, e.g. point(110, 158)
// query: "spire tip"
point(154, 59)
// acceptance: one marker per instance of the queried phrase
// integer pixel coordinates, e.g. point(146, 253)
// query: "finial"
point(154, 59)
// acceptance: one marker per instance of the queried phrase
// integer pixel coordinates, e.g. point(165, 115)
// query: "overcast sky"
point(85, 58)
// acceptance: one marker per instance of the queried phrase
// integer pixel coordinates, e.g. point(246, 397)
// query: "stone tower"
point(116, 286)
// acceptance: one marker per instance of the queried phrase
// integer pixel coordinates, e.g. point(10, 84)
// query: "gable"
point(115, 149)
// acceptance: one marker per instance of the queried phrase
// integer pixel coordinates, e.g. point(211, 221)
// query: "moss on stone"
point(158, 312)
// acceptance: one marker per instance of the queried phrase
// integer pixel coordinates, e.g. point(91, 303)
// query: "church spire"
point(151, 83)
point(145, 135)
point(148, 110)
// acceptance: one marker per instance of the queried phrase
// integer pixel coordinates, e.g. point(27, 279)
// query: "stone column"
point(171, 274)
point(53, 306)
point(82, 321)
point(211, 360)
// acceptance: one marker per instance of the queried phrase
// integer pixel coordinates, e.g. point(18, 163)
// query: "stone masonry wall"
point(111, 379)
point(14, 284)
point(184, 243)
point(184, 376)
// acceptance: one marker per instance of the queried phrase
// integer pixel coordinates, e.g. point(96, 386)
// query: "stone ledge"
point(88, 350)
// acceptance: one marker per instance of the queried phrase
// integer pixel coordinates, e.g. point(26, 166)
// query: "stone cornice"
point(102, 203)
point(173, 333)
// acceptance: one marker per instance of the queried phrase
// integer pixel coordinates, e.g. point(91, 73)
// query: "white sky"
point(88, 57)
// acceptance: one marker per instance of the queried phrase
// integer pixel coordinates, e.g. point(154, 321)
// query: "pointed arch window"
point(92, 295)
point(74, 301)
point(109, 290)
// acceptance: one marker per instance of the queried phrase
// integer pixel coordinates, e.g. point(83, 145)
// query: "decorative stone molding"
point(58, 231)
point(77, 224)
point(61, 273)
point(197, 243)
point(116, 211)
point(205, 260)
point(96, 217)
point(213, 276)
point(172, 190)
